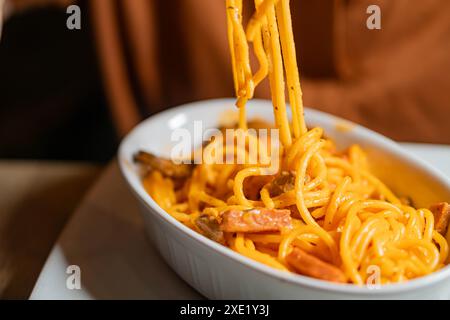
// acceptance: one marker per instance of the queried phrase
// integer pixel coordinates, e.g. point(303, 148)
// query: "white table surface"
point(106, 239)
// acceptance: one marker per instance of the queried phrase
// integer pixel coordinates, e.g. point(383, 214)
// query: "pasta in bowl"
point(218, 272)
point(320, 212)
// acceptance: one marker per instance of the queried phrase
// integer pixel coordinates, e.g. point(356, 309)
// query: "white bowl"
point(219, 273)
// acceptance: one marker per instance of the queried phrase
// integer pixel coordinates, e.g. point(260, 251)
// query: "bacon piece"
point(167, 167)
point(309, 265)
point(441, 212)
point(255, 220)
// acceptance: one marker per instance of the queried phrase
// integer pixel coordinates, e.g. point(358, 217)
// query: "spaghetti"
point(323, 213)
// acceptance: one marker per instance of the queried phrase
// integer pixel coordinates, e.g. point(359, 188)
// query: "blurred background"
point(72, 94)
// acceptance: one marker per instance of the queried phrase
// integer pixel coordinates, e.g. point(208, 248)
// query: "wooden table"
point(36, 200)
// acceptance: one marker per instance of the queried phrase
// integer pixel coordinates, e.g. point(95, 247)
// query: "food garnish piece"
point(283, 183)
point(308, 265)
point(441, 212)
point(167, 167)
point(255, 220)
point(210, 227)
